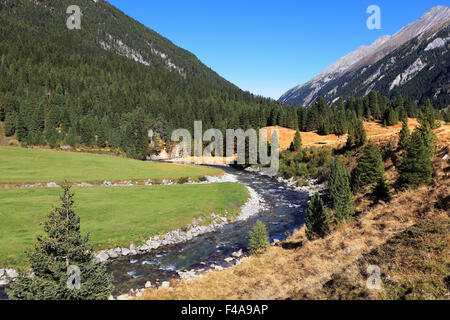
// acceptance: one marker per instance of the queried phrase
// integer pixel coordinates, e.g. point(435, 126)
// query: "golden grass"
point(302, 272)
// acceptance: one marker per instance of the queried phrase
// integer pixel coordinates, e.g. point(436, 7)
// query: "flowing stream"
point(284, 212)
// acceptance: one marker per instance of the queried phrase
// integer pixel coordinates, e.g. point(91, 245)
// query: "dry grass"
point(306, 271)
point(375, 131)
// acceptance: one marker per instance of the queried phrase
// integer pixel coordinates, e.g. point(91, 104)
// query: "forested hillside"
point(108, 83)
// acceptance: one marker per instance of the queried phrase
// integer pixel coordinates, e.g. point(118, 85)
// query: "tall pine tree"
point(370, 168)
point(317, 219)
point(340, 192)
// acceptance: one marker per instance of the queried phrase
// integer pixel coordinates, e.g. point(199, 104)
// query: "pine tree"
point(356, 134)
point(21, 128)
point(258, 238)
point(317, 218)
point(296, 145)
point(370, 168)
point(72, 138)
point(340, 192)
point(62, 248)
point(10, 124)
point(404, 136)
point(382, 190)
point(416, 168)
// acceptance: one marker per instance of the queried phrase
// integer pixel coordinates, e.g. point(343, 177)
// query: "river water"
point(284, 212)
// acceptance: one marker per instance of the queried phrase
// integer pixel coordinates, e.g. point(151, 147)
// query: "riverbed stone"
point(112, 253)
point(144, 248)
point(148, 284)
point(102, 257)
point(229, 260)
point(11, 273)
point(237, 254)
point(126, 251)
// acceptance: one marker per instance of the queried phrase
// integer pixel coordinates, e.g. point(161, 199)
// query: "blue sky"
point(267, 46)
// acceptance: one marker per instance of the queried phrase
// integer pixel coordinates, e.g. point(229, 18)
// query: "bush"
point(317, 219)
point(258, 238)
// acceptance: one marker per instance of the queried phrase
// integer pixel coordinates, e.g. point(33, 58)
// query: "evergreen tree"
point(10, 124)
point(416, 168)
point(72, 138)
point(21, 128)
point(340, 192)
point(258, 238)
point(296, 145)
point(370, 168)
point(52, 137)
point(357, 134)
point(404, 136)
point(382, 190)
point(317, 218)
point(62, 248)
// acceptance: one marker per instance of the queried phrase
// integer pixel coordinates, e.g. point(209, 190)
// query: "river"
point(284, 211)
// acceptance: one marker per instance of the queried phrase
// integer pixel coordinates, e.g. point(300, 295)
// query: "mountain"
point(414, 62)
point(110, 82)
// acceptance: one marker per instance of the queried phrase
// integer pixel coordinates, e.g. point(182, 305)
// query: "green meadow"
point(114, 216)
point(20, 165)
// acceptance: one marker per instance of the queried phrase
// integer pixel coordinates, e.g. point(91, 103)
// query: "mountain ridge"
point(364, 56)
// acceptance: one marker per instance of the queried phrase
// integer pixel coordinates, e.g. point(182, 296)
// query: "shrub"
point(317, 219)
point(258, 238)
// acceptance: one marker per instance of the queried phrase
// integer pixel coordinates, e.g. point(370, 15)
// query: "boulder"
point(11, 273)
point(144, 248)
point(165, 285)
point(148, 284)
point(102, 257)
point(237, 254)
point(112, 253)
point(229, 260)
point(126, 251)
point(52, 185)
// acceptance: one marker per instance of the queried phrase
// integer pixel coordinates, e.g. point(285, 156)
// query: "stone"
point(347, 250)
point(237, 254)
point(2, 272)
point(144, 248)
point(123, 297)
point(132, 247)
point(148, 284)
point(52, 185)
point(111, 298)
point(11, 273)
point(118, 251)
point(102, 257)
point(112, 253)
point(446, 157)
point(107, 183)
point(125, 251)
point(228, 259)
point(275, 242)
point(165, 285)
point(4, 282)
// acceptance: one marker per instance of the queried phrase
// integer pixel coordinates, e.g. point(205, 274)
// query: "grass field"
point(113, 216)
point(19, 165)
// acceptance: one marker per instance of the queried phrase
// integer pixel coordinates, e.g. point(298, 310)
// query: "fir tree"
point(21, 128)
point(340, 192)
point(357, 134)
point(258, 238)
point(370, 168)
point(296, 145)
point(72, 138)
point(382, 190)
point(62, 248)
point(416, 168)
point(404, 136)
point(317, 218)
point(10, 124)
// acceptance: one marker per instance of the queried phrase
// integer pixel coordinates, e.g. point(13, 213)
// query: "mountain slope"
point(107, 84)
point(334, 81)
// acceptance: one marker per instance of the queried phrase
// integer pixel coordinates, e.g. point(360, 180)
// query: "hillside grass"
point(114, 216)
point(20, 166)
